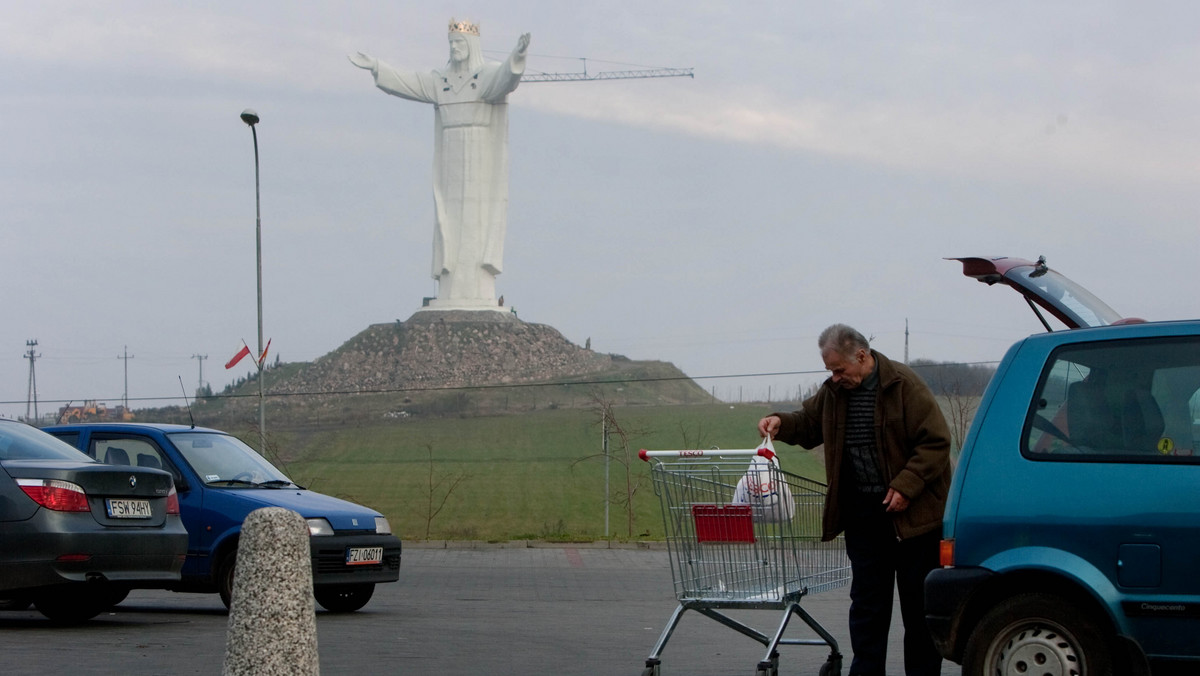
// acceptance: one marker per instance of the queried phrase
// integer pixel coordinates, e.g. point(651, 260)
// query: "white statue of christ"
point(470, 160)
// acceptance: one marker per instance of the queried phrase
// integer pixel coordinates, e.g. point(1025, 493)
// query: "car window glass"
point(1067, 296)
point(1121, 401)
point(19, 441)
point(71, 438)
point(221, 458)
point(126, 451)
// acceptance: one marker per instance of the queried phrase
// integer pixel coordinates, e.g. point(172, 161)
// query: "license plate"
point(129, 509)
point(359, 556)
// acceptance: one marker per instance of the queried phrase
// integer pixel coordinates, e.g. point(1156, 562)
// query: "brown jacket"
point(910, 433)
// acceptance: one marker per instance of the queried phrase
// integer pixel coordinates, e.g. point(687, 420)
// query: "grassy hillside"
point(534, 475)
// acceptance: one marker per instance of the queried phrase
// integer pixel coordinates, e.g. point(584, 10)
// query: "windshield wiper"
point(234, 482)
point(276, 483)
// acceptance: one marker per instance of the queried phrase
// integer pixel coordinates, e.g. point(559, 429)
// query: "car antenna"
point(185, 401)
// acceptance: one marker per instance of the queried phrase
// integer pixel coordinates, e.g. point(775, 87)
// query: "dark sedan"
point(76, 534)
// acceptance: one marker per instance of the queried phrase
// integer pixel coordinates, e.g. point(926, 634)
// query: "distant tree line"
point(960, 386)
point(949, 379)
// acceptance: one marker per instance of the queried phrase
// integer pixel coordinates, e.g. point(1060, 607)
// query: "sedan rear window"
point(1118, 401)
point(19, 441)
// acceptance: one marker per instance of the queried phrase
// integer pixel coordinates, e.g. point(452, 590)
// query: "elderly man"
point(887, 462)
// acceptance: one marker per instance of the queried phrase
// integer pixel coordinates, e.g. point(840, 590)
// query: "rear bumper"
point(329, 559)
point(947, 593)
point(138, 557)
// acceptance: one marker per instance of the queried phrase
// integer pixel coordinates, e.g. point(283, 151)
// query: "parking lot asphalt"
point(489, 610)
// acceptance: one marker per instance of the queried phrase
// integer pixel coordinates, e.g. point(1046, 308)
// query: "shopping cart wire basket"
point(743, 534)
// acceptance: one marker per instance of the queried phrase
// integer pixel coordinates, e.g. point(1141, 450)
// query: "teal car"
point(1072, 529)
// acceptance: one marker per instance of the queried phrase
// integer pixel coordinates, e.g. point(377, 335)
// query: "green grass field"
point(536, 475)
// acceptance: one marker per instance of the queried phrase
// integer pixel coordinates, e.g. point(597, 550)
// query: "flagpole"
point(251, 118)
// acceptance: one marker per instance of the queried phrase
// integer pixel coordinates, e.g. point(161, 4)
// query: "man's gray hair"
point(843, 340)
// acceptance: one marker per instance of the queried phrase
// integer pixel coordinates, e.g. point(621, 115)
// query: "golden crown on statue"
point(464, 27)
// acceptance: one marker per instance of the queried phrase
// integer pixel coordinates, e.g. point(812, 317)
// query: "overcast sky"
point(817, 169)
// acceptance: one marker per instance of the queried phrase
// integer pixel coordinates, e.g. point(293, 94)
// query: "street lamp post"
point(251, 118)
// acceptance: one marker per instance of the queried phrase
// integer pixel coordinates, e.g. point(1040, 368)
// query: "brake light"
point(61, 496)
point(946, 553)
point(74, 558)
point(172, 501)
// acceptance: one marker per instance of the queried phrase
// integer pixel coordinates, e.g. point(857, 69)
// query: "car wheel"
point(1037, 633)
point(343, 598)
point(115, 594)
point(225, 578)
point(72, 604)
point(16, 603)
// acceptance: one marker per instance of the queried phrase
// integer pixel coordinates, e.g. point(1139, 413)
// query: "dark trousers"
point(880, 564)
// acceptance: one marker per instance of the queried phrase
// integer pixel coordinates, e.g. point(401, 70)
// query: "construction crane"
point(605, 75)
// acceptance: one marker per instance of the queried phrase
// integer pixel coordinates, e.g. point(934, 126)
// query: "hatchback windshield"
point(225, 460)
point(19, 441)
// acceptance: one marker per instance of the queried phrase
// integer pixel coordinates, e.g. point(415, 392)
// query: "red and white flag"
point(242, 353)
point(262, 357)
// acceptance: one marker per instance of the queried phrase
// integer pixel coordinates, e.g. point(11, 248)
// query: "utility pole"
point(200, 358)
point(126, 357)
point(906, 340)
point(607, 493)
point(31, 396)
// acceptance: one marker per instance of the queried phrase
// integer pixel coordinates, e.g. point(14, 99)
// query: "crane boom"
point(608, 75)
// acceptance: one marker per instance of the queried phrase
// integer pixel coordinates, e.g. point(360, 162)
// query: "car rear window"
point(22, 442)
point(1118, 401)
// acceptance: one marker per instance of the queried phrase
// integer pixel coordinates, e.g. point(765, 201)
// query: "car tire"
point(16, 603)
point(72, 604)
point(1037, 630)
point(225, 572)
point(343, 598)
point(114, 595)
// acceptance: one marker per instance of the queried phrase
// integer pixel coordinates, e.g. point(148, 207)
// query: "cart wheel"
point(770, 668)
point(652, 668)
point(832, 666)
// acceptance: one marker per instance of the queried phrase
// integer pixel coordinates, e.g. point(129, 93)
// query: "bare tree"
point(700, 440)
point(438, 491)
point(623, 455)
point(961, 411)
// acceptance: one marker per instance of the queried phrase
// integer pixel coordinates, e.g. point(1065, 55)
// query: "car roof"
point(1163, 329)
point(165, 428)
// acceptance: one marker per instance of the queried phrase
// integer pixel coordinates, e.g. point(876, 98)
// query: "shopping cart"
point(728, 552)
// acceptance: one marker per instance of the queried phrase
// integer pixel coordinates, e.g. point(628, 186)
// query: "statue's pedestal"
point(472, 304)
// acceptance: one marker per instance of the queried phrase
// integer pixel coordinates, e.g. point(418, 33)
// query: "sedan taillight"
point(61, 496)
point(172, 501)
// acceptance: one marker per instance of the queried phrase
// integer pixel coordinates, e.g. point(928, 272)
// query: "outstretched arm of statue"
point(364, 61)
point(518, 54)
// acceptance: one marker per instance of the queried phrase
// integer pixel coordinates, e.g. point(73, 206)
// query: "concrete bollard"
point(272, 622)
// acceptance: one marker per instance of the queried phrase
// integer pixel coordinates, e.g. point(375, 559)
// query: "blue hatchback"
point(1072, 529)
point(220, 480)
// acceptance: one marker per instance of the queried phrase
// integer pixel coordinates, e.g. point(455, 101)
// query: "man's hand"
point(895, 501)
point(769, 426)
point(522, 44)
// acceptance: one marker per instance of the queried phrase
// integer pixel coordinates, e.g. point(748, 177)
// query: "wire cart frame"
point(736, 549)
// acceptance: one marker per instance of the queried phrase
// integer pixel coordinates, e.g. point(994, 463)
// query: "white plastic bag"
point(764, 489)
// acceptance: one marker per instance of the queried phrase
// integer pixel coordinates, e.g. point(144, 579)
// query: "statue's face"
point(459, 50)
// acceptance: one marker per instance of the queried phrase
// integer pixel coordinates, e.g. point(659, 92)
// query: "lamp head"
point(249, 117)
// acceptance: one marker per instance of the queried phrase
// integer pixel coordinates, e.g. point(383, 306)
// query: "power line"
point(510, 386)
